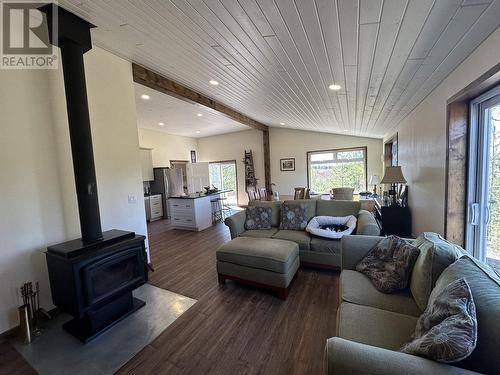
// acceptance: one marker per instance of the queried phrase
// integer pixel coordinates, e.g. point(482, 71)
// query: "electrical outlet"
point(132, 198)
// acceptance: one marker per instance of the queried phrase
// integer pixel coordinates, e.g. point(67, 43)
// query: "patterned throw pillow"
point(388, 265)
point(258, 218)
point(447, 330)
point(293, 217)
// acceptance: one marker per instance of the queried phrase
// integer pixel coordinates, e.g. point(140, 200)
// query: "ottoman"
point(263, 262)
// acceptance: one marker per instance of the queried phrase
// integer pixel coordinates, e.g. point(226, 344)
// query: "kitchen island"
point(193, 211)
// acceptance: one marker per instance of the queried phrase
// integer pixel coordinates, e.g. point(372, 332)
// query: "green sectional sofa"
point(313, 250)
point(372, 326)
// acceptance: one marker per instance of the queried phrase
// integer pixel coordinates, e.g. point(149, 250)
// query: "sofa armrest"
point(236, 223)
point(354, 248)
point(349, 357)
point(367, 225)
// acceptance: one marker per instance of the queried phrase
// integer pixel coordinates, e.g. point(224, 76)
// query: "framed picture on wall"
point(193, 156)
point(287, 164)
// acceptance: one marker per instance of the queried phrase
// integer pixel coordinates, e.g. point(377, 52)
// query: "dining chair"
point(343, 193)
point(263, 194)
point(307, 194)
point(299, 193)
point(252, 194)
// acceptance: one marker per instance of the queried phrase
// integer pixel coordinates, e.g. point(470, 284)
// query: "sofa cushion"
point(258, 218)
point(323, 245)
point(275, 210)
point(337, 208)
point(260, 233)
point(447, 330)
point(302, 238)
point(262, 253)
point(389, 264)
point(309, 203)
point(485, 287)
point(358, 289)
point(435, 255)
point(372, 326)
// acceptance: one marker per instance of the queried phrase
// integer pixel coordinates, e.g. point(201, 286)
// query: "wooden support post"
point(267, 161)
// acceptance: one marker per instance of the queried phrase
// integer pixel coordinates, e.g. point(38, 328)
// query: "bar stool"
point(217, 214)
point(225, 209)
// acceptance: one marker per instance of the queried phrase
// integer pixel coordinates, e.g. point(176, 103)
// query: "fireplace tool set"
point(30, 312)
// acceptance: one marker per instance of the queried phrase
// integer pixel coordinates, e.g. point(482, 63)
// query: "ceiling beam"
point(160, 83)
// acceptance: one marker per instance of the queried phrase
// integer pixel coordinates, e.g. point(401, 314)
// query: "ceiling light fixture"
point(199, 114)
point(145, 97)
point(161, 123)
point(282, 123)
point(213, 82)
point(197, 132)
point(334, 87)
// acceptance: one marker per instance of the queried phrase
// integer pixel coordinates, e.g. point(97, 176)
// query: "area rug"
point(57, 352)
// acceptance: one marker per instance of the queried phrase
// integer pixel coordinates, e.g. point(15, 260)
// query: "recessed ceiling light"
point(282, 123)
point(197, 132)
point(145, 97)
point(199, 114)
point(334, 87)
point(161, 123)
point(213, 82)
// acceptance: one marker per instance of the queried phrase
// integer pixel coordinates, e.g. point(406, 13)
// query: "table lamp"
point(375, 180)
point(393, 176)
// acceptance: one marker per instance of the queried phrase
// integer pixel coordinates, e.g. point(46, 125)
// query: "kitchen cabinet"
point(191, 213)
point(198, 176)
point(154, 207)
point(146, 164)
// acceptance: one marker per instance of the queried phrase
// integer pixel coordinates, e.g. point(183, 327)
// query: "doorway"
point(223, 175)
point(483, 213)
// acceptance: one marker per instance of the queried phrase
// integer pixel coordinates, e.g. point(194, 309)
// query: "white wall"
point(232, 146)
point(37, 185)
point(166, 146)
point(287, 143)
point(422, 139)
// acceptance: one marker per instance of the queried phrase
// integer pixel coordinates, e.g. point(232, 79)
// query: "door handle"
point(474, 216)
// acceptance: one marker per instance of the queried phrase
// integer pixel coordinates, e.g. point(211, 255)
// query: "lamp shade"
point(375, 180)
point(393, 175)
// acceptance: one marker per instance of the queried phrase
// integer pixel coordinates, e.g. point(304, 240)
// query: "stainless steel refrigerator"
point(169, 183)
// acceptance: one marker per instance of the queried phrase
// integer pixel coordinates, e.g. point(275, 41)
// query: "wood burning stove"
point(94, 282)
point(91, 278)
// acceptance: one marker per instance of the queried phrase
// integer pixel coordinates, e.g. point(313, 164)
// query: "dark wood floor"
point(234, 329)
point(231, 329)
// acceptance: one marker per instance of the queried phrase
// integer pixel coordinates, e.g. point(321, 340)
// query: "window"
point(337, 168)
point(483, 221)
point(223, 176)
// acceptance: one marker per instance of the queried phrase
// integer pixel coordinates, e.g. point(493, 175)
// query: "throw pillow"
point(388, 265)
point(258, 218)
point(293, 217)
point(447, 330)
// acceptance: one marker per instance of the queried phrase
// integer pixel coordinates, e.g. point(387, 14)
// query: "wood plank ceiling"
point(274, 59)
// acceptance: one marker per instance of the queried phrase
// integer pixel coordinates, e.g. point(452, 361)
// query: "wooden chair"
point(300, 193)
point(263, 194)
point(253, 195)
point(307, 194)
point(343, 193)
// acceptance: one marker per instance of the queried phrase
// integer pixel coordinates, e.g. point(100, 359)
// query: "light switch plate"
point(132, 198)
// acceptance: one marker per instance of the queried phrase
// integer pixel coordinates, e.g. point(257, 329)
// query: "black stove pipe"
point(81, 140)
point(73, 39)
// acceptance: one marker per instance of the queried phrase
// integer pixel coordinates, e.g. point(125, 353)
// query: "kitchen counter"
point(202, 195)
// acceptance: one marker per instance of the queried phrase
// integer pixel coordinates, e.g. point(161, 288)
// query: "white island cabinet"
point(193, 213)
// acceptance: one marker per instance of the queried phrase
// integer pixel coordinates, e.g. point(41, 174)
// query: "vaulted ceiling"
point(274, 59)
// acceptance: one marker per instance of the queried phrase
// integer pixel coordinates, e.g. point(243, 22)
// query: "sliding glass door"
point(483, 229)
point(223, 176)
